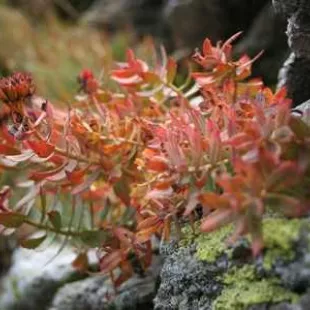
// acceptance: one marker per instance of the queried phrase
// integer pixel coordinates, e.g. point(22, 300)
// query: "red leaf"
point(217, 219)
point(76, 176)
point(286, 175)
point(171, 70)
point(81, 188)
point(111, 260)
point(42, 149)
point(8, 150)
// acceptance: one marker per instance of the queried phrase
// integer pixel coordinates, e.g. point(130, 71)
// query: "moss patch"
point(211, 245)
point(279, 235)
point(243, 289)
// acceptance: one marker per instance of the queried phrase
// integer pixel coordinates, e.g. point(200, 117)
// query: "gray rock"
point(265, 34)
point(289, 7)
point(96, 293)
point(296, 70)
point(303, 111)
point(31, 283)
point(183, 25)
point(187, 283)
point(145, 15)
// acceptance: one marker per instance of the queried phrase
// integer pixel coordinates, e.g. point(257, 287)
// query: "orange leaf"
point(157, 164)
point(213, 201)
point(81, 262)
point(171, 70)
point(150, 221)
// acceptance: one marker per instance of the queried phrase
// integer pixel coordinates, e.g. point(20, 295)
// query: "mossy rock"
point(238, 280)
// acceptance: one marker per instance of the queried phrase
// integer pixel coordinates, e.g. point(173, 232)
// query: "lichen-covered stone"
point(243, 288)
point(187, 283)
point(232, 279)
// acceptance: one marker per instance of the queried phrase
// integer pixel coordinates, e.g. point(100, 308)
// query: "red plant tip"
point(85, 74)
point(16, 87)
point(87, 81)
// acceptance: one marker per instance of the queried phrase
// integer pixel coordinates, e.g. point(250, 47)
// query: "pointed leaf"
point(171, 70)
point(41, 148)
point(8, 150)
point(81, 188)
point(55, 218)
point(122, 191)
point(32, 243)
point(11, 219)
point(111, 260)
point(287, 174)
point(81, 262)
point(217, 219)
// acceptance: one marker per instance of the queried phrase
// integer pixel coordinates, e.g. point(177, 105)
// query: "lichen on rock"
point(279, 236)
point(244, 288)
point(204, 273)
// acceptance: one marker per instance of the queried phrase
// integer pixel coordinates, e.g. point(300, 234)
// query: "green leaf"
point(43, 205)
point(93, 238)
point(12, 219)
point(299, 127)
point(122, 190)
point(55, 219)
point(32, 243)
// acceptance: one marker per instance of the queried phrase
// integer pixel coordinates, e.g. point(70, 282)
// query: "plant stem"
point(54, 230)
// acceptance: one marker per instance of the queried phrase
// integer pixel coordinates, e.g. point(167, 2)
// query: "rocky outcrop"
point(35, 282)
point(296, 70)
point(96, 293)
point(184, 24)
point(203, 273)
point(33, 279)
point(144, 15)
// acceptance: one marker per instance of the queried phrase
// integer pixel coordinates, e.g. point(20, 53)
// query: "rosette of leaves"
point(133, 158)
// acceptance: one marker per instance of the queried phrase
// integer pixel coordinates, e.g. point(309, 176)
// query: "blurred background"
point(55, 39)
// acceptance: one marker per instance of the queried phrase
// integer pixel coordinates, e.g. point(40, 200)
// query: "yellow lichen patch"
point(279, 235)
point(243, 289)
point(211, 245)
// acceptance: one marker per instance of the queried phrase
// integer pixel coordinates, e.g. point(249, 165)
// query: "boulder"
point(46, 280)
point(33, 279)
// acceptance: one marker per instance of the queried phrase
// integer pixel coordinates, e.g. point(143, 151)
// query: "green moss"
point(243, 288)
point(279, 235)
point(211, 245)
